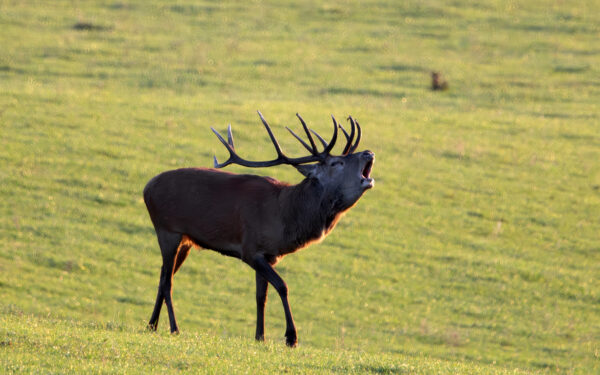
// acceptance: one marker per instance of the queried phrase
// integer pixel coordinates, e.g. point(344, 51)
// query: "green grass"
point(91, 348)
point(476, 252)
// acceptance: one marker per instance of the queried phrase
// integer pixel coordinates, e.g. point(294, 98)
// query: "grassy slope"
point(477, 250)
point(68, 346)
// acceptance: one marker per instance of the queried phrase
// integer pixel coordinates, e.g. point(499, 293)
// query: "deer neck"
point(310, 212)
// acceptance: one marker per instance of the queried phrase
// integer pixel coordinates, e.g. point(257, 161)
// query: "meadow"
point(477, 252)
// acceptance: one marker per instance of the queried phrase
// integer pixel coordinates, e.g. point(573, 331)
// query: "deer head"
point(347, 175)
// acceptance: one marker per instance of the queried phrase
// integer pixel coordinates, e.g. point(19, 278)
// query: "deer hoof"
point(151, 327)
point(291, 340)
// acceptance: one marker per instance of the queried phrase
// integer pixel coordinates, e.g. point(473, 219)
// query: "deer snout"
point(368, 154)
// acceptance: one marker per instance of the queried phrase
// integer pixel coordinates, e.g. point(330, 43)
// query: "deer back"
point(216, 209)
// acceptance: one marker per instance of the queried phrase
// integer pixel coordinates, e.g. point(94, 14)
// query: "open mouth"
point(366, 172)
point(367, 181)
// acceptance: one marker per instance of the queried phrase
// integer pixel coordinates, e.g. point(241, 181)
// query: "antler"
point(350, 148)
point(234, 158)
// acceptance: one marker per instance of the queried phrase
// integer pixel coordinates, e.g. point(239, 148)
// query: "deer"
point(438, 82)
point(258, 220)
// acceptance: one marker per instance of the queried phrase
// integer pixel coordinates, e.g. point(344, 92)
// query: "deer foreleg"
point(264, 269)
point(262, 286)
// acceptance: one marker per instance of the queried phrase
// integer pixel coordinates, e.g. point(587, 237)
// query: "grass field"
point(476, 252)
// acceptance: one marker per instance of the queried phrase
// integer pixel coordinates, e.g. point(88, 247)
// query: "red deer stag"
point(256, 219)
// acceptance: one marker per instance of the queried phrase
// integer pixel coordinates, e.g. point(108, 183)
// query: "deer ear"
point(308, 170)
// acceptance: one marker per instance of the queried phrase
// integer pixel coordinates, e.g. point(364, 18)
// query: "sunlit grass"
point(476, 252)
point(72, 347)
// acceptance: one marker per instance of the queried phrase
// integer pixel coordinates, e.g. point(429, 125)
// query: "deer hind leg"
point(169, 243)
point(153, 324)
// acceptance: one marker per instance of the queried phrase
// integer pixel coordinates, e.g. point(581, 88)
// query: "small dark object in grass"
point(438, 82)
point(88, 26)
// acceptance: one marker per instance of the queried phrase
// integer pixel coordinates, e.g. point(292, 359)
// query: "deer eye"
point(337, 162)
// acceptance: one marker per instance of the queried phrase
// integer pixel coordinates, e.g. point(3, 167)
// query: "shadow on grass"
point(88, 26)
point(404, 68)
point(362, 92)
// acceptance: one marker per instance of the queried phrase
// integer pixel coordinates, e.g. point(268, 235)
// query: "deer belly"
point(222, 247)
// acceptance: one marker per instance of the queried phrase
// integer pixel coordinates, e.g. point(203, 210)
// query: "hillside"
point(476, 252)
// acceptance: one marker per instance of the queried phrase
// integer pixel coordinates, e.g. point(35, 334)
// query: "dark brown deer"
point(256, 219)
point(438, 82)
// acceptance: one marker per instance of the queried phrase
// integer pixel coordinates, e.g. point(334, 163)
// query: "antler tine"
point(301, 141)
point(349, 138)
point(310, 138)
point(328, 146)
point(355, 145)
point(275, 143)
point(235, 159)
point(320, 138)
point(228, 146)
point(230, 137)
point(333, 139)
